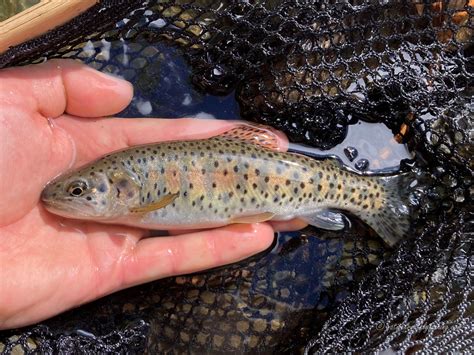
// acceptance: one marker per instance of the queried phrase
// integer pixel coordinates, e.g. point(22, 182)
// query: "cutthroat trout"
point(236, 177)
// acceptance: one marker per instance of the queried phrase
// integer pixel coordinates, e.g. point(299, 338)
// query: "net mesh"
point(310, 68)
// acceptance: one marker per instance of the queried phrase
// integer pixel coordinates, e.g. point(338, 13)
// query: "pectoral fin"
point(255, 134)
point(326, 219)
point(163, 202)
point(256, 218)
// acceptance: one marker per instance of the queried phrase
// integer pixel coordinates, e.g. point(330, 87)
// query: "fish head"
point(91, 193)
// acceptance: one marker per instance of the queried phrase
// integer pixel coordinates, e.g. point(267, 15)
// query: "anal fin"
point(326, 219)
point(254, 134)
point(256, 218)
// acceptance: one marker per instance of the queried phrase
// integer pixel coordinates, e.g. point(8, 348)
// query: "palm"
point(48, 263)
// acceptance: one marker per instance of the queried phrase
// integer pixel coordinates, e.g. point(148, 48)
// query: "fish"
point(238, 176)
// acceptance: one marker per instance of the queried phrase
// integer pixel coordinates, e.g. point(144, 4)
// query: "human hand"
point(49, 264)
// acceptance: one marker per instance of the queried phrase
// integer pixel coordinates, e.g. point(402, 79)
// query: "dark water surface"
point(303, 273)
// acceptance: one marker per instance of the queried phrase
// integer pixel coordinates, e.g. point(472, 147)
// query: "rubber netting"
point(310, 68)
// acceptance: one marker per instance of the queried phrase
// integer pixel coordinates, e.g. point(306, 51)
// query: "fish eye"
point(77, 188)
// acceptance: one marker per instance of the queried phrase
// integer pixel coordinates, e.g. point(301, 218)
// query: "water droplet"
point(459, 195)
point(351, 153)
point(362, 164)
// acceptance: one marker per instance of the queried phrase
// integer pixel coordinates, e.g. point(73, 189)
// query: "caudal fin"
point(392, 221)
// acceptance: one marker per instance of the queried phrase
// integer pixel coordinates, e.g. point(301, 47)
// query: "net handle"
point(38, 19)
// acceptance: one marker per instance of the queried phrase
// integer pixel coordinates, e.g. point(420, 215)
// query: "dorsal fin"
point(254, 134)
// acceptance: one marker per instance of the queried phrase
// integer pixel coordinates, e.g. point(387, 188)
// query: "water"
point(301, 270)
point(163, 89)
point(368, 147)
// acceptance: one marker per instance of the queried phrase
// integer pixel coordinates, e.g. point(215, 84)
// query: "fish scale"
point(231, 178)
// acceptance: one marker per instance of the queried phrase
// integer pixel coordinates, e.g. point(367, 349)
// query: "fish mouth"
point(67, 210)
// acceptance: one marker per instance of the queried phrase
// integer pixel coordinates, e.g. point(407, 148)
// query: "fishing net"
point(312, 69)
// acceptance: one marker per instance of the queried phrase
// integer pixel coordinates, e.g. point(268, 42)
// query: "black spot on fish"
point(254, 185)
point(287, 182)
point(276, 187)
point(295, 190)
point(92, 173)
point(225, 172)
point(214, 185)
point(257, 172)
point(203, 171)
point(246, 177)
point(236, 169)
point(331, 185)
point(267, 179)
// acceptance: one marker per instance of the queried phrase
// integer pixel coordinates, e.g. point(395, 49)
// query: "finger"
point(59, 86)
point(155, 258)
point(292, 225)
point(96, 137)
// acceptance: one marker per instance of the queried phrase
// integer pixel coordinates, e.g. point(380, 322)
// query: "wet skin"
point(49, 122)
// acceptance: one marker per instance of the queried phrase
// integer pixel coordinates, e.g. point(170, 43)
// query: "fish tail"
point(392, 220)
